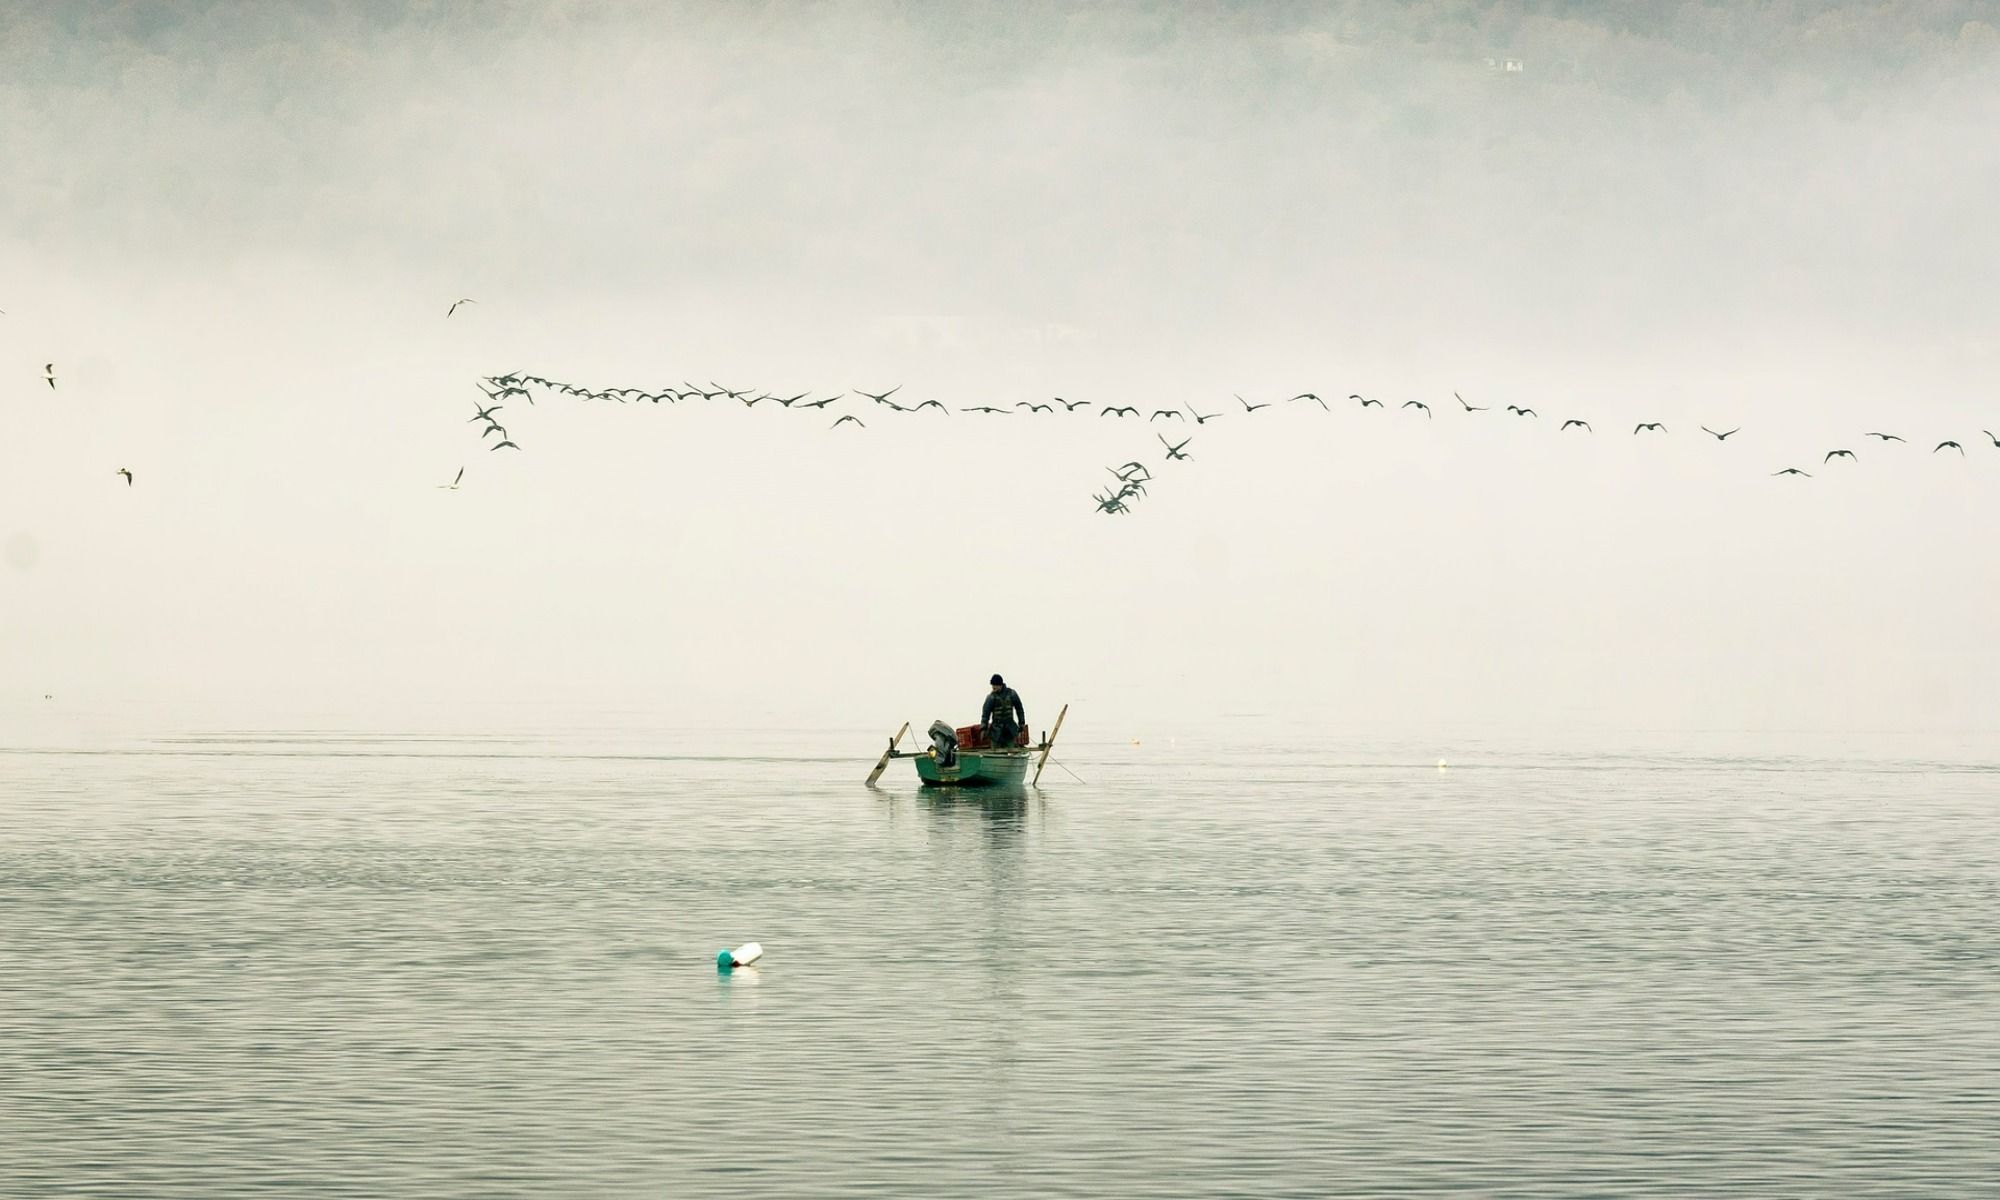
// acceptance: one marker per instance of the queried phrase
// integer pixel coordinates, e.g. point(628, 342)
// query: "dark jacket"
point(998, 703)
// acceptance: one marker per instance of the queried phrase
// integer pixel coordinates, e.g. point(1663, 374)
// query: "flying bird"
point(1833, 454)
point(1990, 437)
point(1365, 401)
point(1306, 396)
point(849, 417)
point(985, 408)
point(1469, 407)
point(927, 404)
point(822, 403)
point(1887, 437)
point(1126, 472)
point(1034, 407)
point(1071, 405)
point(1720, 437)
point(1648, 425)
point(1173, 451)
point(1791, 471)
point(880, 397)
point(456, 303)
point(1198, 418)
point(1250, 408)
point(1575, 421)
point(1518, 411)
point(482, 414)
point(1175, 413)
point(1953, 445)
point(496, 427)
point(127, 474)
point(49, 373)
point(1120, 410)
point(453, 485)
point(1418, 404)
point(503, 443)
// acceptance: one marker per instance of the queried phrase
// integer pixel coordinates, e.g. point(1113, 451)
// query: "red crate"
point(973, 737)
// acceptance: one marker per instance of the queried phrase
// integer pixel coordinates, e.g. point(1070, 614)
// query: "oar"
point(1049, 744)
point(884, 764)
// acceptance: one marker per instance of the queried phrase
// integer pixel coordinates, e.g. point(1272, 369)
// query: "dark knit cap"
point(999, 681)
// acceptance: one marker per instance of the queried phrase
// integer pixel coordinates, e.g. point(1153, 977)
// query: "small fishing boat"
point(963, 758)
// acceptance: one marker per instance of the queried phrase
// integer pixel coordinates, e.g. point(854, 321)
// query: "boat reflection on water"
point(978, 842)
point(1001, 811)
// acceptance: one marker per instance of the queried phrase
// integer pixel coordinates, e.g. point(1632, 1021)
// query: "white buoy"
point(742, 956)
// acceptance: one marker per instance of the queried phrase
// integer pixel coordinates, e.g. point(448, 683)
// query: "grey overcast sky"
point(235, 229)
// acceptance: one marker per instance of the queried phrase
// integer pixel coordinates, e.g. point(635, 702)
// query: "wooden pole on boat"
point(884, 764)
point(1049, 744)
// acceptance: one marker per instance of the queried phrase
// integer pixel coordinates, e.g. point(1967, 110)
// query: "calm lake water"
point(1238, 964)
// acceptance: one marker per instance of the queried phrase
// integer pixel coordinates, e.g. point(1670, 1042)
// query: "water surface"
point(335, 963)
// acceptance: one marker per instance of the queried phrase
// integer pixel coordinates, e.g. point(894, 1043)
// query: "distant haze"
point(236, 231)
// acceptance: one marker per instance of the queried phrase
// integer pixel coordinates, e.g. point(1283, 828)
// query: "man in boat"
point(1002, 717)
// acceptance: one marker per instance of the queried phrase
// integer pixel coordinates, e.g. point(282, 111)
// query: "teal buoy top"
point(724, 960)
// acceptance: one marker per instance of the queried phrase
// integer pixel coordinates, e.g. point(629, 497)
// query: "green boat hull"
point(975, 768)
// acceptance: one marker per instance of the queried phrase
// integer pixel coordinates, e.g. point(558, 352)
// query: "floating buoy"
point(742, 956)
point(1442, 765)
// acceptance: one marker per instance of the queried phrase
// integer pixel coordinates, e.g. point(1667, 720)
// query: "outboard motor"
point(944, 744)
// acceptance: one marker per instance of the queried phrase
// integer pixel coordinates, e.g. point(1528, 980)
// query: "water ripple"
point(342, 965)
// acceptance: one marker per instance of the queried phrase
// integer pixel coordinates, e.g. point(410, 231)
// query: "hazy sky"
point(235, 230)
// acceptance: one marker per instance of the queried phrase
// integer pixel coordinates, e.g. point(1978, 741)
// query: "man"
point(1002, 717)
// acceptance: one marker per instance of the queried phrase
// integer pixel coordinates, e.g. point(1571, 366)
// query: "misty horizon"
point(236, 234)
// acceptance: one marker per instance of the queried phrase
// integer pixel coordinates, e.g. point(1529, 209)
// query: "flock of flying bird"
point(1130, 478)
